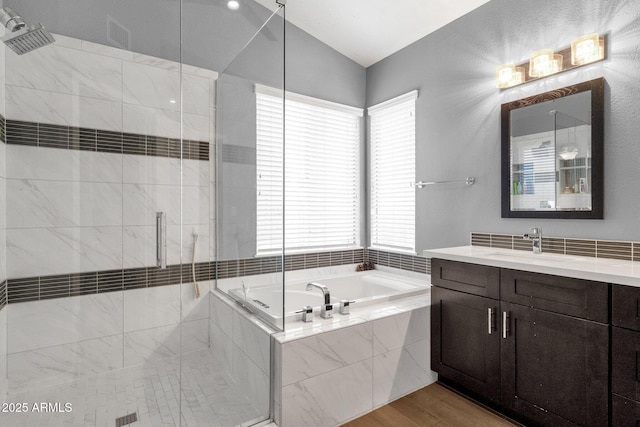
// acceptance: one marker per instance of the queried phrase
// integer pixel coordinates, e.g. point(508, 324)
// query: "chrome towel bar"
point(469, 181)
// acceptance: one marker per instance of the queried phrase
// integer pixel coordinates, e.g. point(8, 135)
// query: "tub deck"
point(365, 288)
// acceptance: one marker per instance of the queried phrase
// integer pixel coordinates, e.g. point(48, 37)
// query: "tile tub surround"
point(244, 346)
point(333, 370)
point(415, 263)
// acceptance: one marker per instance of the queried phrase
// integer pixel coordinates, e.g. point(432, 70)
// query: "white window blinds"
point(321, 197)
point(392, 142)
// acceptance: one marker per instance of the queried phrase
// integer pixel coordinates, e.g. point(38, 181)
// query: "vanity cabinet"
point(550, 334)
point(625, 350)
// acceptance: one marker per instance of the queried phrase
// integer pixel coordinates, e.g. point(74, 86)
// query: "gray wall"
point(458, 112)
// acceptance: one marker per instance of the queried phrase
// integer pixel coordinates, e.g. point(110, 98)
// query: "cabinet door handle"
point(505, 324)
point(490, 319)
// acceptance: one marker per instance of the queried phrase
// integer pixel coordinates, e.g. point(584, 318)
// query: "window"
point(393, 201)
point(321, 166)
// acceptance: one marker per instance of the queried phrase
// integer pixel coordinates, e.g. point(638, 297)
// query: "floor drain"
point(127, 419)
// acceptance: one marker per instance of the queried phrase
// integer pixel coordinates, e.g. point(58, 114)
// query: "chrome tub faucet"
point(326, 309)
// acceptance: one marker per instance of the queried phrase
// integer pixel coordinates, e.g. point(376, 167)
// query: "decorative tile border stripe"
point(614, 249)
point(95, 282)
point(413, 263)
point(323, 259)
point(2, 129)
point(85, 139)
point(66, 285)
point(3, 294)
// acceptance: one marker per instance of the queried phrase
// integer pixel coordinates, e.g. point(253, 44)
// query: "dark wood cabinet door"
point(625, 412)
point(463, 349)
point(481, 280)
point(625, 307)
point(625, 363)
point(555, 367)
point(574, 297)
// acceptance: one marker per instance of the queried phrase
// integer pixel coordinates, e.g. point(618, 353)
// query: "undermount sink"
point(527, 257)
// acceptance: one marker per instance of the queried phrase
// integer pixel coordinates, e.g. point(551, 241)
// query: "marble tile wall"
point(245, 344)
point(75, 211)
point(62, 339)
point(77, 208)
point(3, 232)
point(334, 376)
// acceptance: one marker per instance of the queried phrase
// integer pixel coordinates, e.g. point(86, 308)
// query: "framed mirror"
point(552, 154)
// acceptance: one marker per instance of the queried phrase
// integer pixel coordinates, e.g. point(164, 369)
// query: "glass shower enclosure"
point(127, 211)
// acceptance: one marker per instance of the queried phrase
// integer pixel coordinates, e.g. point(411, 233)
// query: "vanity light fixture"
point(584, 50)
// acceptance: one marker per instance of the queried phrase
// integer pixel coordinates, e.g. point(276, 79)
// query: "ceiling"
point(370, 30)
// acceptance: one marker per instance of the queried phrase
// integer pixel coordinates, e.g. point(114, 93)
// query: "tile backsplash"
point(615, 249)
point(417, 264)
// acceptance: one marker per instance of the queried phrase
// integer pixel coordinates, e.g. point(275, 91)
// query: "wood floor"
point(433, 405)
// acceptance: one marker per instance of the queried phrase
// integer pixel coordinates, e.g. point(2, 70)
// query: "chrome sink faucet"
point(326, 309)
point(535, 235)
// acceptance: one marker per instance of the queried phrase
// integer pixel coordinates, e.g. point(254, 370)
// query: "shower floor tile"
point(152, 391)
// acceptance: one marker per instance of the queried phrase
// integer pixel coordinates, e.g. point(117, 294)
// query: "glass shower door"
point(92, 178)
point(226, 381)
point(127, 198)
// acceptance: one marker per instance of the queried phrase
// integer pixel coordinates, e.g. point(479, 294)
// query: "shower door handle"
point(161, 239)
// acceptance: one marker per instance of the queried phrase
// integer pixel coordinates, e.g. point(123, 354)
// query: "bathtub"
point(365, 288)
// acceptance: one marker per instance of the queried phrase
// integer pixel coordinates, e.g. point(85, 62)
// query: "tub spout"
point(323, 288)
point(326, 309)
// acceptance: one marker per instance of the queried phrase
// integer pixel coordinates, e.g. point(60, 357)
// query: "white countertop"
point(598, 269)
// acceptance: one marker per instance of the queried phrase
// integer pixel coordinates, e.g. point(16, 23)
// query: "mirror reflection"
point(552, 154)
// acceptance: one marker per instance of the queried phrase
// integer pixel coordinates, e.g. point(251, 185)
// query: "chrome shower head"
point(23, 38)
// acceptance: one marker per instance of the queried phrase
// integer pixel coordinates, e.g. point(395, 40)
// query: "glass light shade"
point(586, 49)
point(544, 63)
point(556, 64)
point(508, 75)
point(540, 62)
